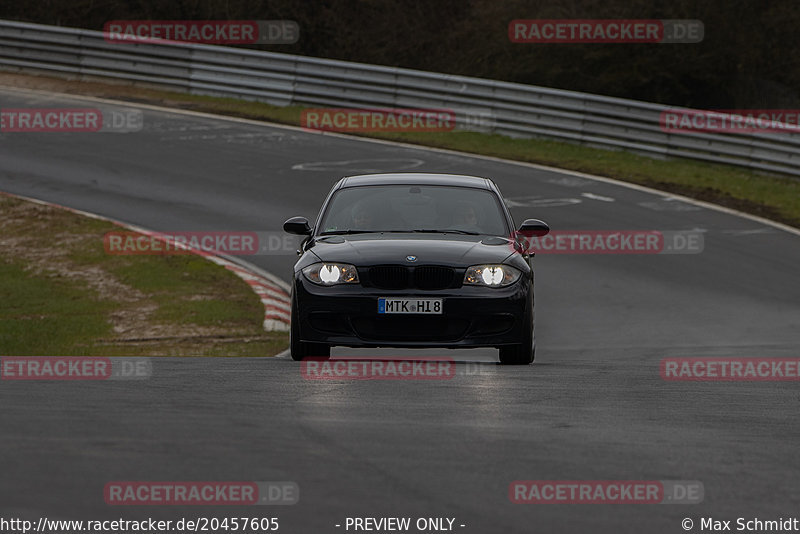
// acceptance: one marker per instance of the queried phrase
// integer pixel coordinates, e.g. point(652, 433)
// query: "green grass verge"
point(43, 316)
point(63, 295)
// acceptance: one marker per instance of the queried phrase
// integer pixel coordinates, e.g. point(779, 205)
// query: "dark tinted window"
point(412, 207)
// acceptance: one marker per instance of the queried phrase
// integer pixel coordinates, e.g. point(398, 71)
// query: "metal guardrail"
point(513, 109)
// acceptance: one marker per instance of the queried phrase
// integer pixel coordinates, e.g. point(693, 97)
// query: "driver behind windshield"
point(465, 217)
point(362, 218)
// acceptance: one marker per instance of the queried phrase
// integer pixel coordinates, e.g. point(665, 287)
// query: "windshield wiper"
point(349, 232)
point(423, 231)
point(449, 231)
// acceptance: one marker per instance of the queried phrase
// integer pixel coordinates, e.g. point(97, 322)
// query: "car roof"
point(415, 178)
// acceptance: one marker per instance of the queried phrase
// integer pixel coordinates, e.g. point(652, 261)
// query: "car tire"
point(300, 349)
point(522, 354)
point(517, 354)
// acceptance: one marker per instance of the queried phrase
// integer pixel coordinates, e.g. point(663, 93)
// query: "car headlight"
point(491, 275)
point(330, 274)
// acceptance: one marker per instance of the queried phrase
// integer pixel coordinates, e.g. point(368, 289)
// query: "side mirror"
point(534, 227)
point(297, 226)
point(528, 229)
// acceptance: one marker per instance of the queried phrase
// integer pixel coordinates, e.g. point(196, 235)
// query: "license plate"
point(388, 305)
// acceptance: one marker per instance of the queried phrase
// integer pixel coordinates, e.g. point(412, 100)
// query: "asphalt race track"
point(592, 407)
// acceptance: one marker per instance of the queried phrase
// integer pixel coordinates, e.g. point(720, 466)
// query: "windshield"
point(413, 208)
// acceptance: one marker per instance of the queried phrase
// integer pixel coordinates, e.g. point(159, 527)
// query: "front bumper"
point(347, 315)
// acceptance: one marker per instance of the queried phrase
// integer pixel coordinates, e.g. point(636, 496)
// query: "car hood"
point(437, 249)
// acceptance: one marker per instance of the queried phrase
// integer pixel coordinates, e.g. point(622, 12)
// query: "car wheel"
point(299, 349)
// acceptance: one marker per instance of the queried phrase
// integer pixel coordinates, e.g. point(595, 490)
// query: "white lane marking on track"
point(667, 204)
point(750, 232)
point(361, 165)
point(537, 202)
point(568, 181)
point(597, 197)
point(396, 144)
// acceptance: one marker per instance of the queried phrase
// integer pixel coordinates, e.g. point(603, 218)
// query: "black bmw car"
point(413, 260)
